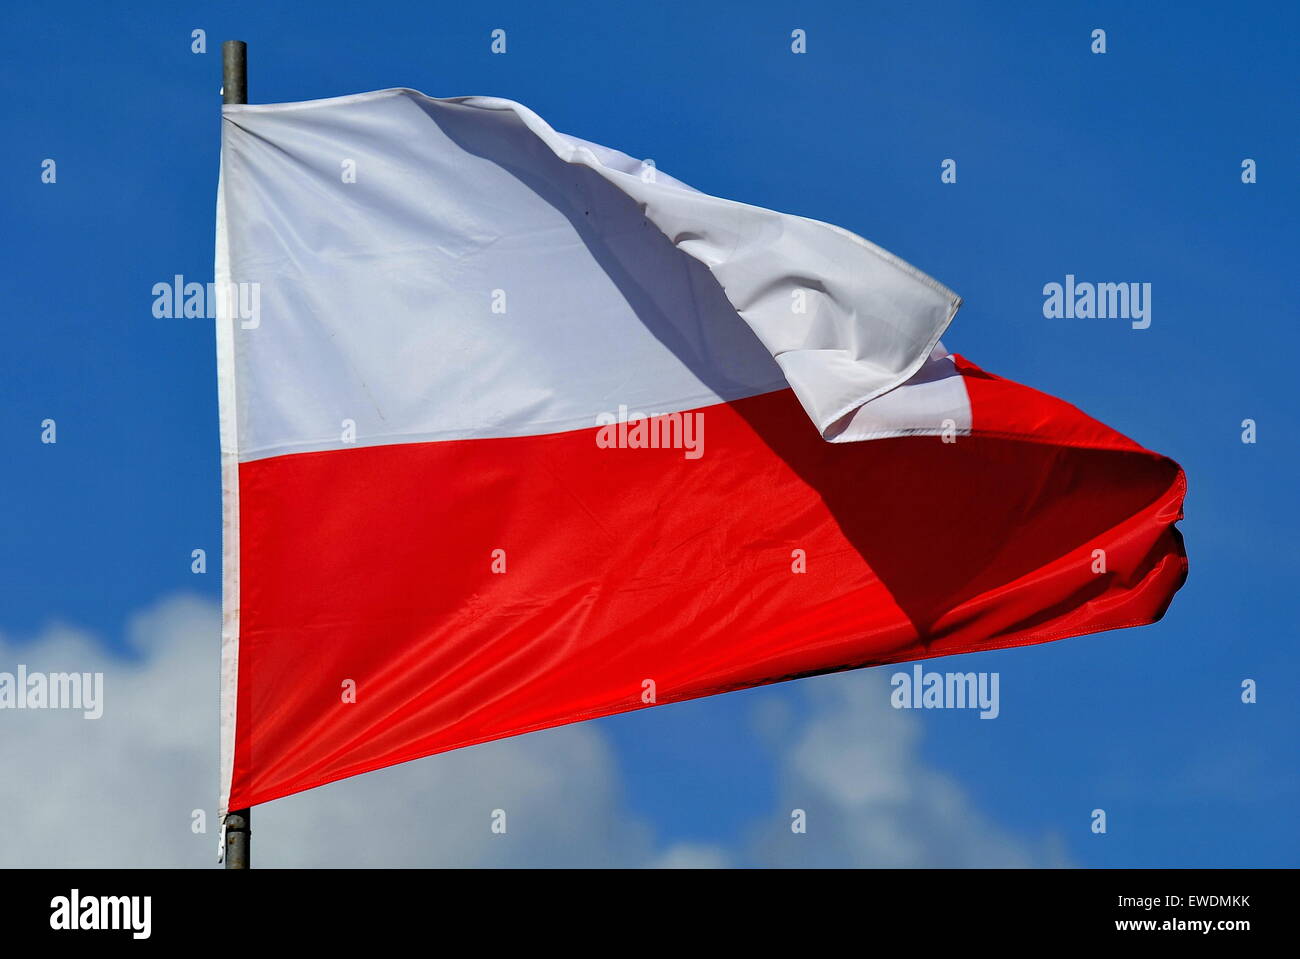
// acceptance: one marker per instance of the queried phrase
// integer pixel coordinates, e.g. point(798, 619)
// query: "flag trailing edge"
point(368, 553)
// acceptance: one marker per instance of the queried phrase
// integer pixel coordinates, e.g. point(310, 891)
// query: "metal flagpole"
point(234, 72)
point(234, 89)
point(238, 831)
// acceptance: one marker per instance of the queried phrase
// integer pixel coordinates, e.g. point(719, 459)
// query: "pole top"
point(234, 72)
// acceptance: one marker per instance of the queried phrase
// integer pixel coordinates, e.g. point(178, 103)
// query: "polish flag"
point(519, 431)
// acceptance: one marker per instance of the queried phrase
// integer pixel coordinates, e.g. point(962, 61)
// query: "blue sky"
point(1117, 167)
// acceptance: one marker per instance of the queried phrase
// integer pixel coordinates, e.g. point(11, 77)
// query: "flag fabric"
point(519, 431)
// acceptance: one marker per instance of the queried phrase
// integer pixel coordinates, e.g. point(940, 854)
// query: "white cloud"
point(854, 767)
point(559, 790)
point(117, 790)
point(120, 790)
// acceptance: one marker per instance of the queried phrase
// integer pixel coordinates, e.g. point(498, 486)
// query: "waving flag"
point(519, 431)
